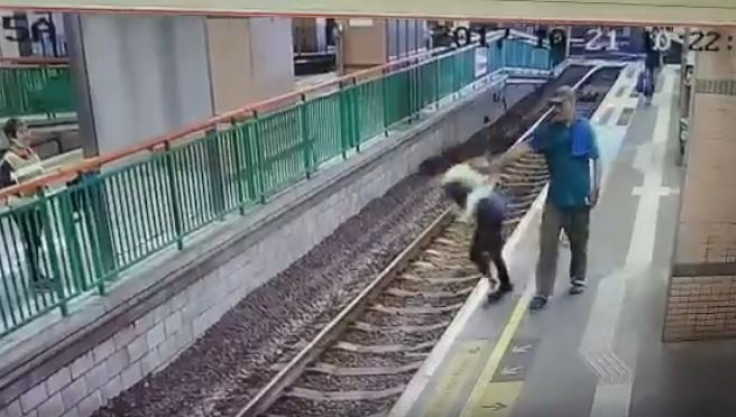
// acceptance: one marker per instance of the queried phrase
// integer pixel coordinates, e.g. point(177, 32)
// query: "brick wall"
point(142, 346)
point(702, 307)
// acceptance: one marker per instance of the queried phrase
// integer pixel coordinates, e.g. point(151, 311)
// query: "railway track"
point(360, 363)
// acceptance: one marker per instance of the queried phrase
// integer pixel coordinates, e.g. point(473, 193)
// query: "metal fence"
point(60, 245)
point(35, 90)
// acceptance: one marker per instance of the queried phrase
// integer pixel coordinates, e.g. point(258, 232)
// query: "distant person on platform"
point(652, 62)
point(20, 163)
point(569, 146)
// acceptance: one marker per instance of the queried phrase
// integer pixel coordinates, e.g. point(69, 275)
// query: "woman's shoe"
point(502, 290)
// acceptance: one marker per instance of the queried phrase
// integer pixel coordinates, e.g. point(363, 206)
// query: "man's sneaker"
point(577, 286)
point(538, 303)
point(502, 290)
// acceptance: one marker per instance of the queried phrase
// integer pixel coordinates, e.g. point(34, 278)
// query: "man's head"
point(563, 104)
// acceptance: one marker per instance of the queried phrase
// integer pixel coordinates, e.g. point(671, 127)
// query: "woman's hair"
point(465, 175)
point(11, 127)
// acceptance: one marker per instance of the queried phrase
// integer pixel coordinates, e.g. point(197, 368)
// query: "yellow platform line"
point(476, 406)
point(456, 376)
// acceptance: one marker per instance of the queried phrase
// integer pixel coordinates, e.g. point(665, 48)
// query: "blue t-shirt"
point(568, 151)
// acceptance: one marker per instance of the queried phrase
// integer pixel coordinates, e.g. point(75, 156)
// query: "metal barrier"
point(35, 87)
point(78, 238)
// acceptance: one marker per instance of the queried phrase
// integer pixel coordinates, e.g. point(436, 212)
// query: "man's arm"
point(597, 169)
point(511, 155)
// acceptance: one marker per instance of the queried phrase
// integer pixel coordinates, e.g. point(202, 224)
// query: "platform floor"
point(599, 354)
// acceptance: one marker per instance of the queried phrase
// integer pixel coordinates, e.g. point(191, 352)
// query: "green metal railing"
point(27, 90)
point(60, 245)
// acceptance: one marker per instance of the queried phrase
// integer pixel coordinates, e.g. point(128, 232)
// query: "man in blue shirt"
point(569, 146)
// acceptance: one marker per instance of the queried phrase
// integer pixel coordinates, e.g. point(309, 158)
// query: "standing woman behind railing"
point(20, 163)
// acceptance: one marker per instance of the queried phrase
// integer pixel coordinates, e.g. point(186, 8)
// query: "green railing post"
point(235, 139)
point(344, 119)
point(46, 221)
point(306, 139)
point(385, 101)
point(455, 76)
point(355, 107)
point(71, 238)
point(250, 162)
point(438, 91)
point(97, 219)
point(214, 168)
point(258, 162)
point(173, 195)
point(412, 94)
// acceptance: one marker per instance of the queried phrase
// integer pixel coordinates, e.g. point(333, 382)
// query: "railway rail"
point(361, 361)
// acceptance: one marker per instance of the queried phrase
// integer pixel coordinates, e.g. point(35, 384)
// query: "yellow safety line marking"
point(475, 404)
point(456, 375)
point(499, 397)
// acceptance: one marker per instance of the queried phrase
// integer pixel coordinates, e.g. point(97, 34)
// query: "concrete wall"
point(405, 37)
point(363, 43)
point(250, 59)
point(371, 42)
point(273, 73)
point(107, 344)
point(148, 75)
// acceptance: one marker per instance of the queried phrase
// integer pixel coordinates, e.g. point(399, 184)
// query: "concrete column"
point(363, 43)
point(250, 60)
point(701, 295)
point(143, 76)
point(372, 42)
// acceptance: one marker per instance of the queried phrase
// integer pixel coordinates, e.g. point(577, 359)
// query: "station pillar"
point(366, 43)
point(138, 77)
point(251, 59)
point(702, 291)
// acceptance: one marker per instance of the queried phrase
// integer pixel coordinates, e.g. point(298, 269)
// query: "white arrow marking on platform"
point(506, 371)
point(521, 349)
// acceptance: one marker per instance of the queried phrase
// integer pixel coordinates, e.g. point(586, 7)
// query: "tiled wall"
point(702, 307)
point(702, 294)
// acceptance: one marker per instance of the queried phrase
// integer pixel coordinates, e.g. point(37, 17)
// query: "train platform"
point(597, 354)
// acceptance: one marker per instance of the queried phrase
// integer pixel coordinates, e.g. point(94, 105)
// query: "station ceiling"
point(628, 12)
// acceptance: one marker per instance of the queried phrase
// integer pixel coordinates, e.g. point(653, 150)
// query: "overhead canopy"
point(629, 12)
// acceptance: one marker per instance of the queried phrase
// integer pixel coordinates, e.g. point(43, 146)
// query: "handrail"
point(239, 114)
point(32, 61)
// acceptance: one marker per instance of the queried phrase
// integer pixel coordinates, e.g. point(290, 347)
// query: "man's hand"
point(593, 197)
